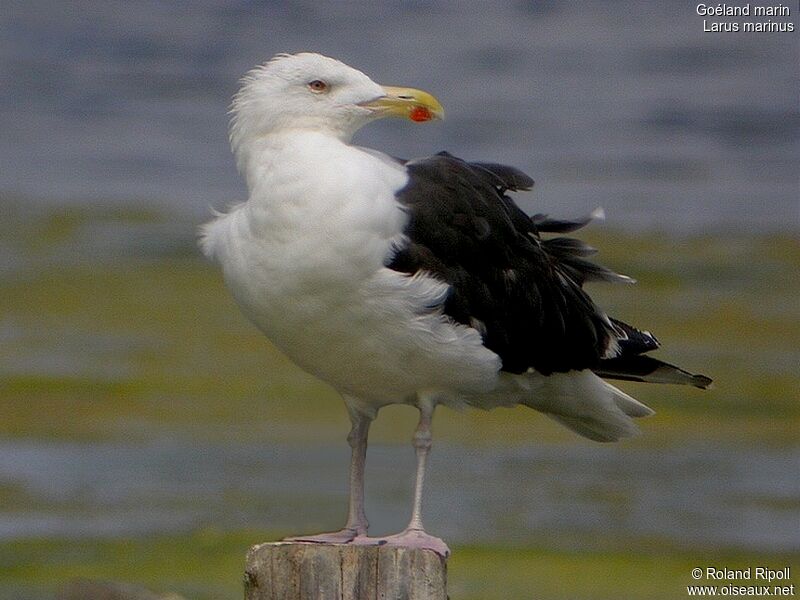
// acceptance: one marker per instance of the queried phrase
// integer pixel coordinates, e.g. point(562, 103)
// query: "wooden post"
point(304, 571)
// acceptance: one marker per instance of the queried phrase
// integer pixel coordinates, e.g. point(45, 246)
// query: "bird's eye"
point(318, 86)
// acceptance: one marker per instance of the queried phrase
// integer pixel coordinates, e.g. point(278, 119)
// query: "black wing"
point(522, 293)
point(631, 364)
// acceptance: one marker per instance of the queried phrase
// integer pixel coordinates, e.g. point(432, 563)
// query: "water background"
point(626, 105)
point(561, 497)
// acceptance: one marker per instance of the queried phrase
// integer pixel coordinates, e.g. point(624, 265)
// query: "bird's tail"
point(608, 418)
point(582, 401)
point(579, 400)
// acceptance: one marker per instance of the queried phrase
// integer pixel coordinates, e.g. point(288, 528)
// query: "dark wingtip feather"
point(632, 340)
point(702, 382)
point(569, 253)
point(544, 223)
point(507, 178)
point(638, 367)
point(515, 179)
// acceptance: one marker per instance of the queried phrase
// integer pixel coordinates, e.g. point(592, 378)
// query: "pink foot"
point(335, 537)
point(363, 540)
point(416, 538)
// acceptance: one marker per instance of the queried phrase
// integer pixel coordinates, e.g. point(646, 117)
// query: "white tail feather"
point(579, 400)
point(586, 404)
point(629, 405)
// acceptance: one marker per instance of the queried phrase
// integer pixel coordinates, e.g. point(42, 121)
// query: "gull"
point(416, 282)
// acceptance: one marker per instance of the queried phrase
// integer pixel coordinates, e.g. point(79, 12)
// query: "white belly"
point(307, 269)
point(378, 341)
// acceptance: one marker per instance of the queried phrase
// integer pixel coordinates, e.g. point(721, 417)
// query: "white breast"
point(304, 257)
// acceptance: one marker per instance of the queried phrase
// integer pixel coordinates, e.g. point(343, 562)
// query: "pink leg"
point(414, 536)
point(357, 524)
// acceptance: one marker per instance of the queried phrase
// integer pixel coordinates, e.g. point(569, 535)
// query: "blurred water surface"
point(696, 497)
point(628, 104)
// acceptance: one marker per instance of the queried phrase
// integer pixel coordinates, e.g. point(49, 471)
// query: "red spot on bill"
point(420, 114)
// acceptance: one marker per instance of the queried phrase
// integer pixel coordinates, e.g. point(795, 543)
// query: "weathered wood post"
point(304, 571)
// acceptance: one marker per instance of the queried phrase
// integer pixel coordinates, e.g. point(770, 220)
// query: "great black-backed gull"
point(415, 282)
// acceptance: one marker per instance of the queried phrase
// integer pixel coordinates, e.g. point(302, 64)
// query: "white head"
point(311, 91)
